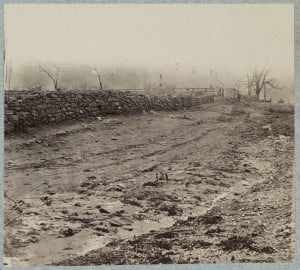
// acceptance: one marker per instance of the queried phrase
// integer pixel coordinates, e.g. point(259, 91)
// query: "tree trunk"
point(56, 86)
point(100, 83)
point(257, 93)
point(9, 77)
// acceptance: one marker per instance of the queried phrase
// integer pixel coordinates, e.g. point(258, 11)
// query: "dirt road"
point(89, 190)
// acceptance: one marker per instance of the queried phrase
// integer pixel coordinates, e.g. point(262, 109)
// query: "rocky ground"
point(88, 194)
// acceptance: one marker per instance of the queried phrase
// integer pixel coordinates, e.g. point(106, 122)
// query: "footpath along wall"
point(31, 109)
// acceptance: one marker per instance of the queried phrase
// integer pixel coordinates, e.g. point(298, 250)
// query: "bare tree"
point(261, 80)
point(96, 71)
point(53, 75)
point(250, 84)
point(8, 72)
point(8, 68)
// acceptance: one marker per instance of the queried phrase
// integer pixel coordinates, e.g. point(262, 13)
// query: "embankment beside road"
point(31, 109)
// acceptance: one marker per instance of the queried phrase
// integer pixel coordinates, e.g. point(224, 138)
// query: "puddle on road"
point(59, 249)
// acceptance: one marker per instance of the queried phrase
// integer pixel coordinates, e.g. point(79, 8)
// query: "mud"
point(87, 194)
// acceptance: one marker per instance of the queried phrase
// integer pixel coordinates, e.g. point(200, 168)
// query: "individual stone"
point(9, 127)
point(13, 118)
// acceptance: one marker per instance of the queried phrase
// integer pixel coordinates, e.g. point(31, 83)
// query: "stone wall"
point(30, 109)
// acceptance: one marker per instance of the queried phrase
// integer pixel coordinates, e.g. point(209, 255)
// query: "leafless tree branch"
point(53, 77)
point(98, 76)
point(260, 79)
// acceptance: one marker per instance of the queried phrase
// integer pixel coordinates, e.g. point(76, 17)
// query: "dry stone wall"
point(30, 109)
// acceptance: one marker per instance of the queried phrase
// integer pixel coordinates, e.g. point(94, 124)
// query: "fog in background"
point(137, 45)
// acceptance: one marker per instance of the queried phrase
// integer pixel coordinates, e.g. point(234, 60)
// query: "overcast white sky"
point(231, 37)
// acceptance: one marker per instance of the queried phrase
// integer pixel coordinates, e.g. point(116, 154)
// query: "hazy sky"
point(197, 36)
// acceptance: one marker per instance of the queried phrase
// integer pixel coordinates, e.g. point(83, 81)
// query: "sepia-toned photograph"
point(148, 134)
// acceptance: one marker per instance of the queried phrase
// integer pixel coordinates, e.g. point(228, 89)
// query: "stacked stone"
point(29, 109)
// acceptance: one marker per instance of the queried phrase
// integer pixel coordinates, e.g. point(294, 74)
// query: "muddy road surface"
point(87, 193)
